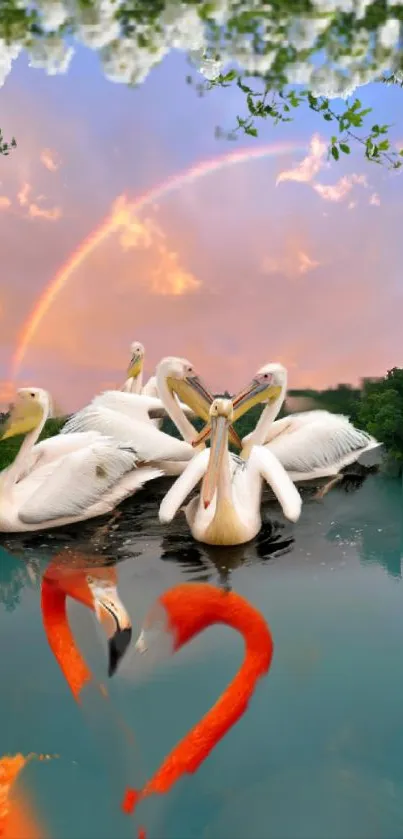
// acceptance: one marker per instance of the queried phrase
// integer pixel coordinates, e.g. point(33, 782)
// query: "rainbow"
point(118, 216)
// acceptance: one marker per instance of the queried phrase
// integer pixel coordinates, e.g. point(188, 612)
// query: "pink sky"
point(278, 259)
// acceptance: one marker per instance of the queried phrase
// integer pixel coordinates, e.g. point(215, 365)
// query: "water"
point(318, 755)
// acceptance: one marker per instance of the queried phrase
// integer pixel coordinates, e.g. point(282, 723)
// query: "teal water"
point(319, 753)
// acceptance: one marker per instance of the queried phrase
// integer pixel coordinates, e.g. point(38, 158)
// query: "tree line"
point(376, 407)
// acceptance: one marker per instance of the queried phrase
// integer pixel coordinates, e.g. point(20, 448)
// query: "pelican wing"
point(134, 405)
point(151, 444)
point(71, 485)
point(180, 490)
point(56, 447)
point(140, 406)
point(271, 470)
point(325, 442)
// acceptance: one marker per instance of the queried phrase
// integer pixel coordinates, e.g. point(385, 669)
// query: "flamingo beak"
point(257, 391)
point(219, 431)
point(115, 621)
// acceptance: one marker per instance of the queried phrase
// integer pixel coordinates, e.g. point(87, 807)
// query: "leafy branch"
point(279, 107)
point(5, 148)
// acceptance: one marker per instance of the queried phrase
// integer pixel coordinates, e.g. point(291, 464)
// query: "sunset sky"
point(285, 258)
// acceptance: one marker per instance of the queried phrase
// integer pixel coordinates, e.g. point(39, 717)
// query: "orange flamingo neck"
point(190, 609)
point(60, 637)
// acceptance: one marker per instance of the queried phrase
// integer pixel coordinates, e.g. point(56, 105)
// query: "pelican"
point(134, 381)
point(176, 377)
point(227, 511)
point(80, 485)
point(136, 407)
point(310, 445)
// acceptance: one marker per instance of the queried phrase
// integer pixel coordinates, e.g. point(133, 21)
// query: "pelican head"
point(221, 417)
point(183, 380)
point(31, 405)
point(267, 385)
point(137, 359)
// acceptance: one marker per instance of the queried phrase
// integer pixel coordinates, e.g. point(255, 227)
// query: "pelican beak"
point(114, 619)
point(24, 417)
point(136, 365)
point(194, 393)
point(219, 431)
point(257, 391)
point(205, 434)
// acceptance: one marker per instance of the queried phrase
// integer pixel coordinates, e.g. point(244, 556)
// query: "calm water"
point(318, 755)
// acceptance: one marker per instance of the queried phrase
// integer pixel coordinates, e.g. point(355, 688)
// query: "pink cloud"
point(49, 160)
point(22, 196)
point(375, 200)
point(5, 202)
point(309, 166)
point(339, 190)
point(34, 211)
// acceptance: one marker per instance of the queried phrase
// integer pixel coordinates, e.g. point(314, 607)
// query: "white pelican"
point(175, 377)
point(137, 408)
point(310, 445)
point(227, 511)
point(77, 486)
point(134, 381)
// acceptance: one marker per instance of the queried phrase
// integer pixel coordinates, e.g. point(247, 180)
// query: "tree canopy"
point(380, 411)
point(282, 54)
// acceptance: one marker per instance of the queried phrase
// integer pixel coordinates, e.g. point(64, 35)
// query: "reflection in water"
point(14, 577)
point(293, 590)
point(373, 523)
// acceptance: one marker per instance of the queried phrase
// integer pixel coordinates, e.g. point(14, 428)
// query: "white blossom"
point(180, 27)
point(124, 61)
point(388, 34)
point(8, 54)
point(50, 53)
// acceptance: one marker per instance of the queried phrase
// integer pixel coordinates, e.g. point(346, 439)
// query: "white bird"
point(130, 399)
point(134, 381)
point(227, 511)
point(54, 447)
point(80, 485)
point(310, 445)
point(175, 377)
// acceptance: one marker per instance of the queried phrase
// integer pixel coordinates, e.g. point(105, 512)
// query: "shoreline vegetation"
point(376, 407)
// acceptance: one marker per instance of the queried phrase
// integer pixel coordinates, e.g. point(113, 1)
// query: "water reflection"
point(373, 524)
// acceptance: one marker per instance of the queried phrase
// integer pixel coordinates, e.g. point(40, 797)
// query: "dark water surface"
point(319, 753)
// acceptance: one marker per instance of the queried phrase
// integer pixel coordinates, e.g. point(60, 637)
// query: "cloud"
point(49, 160)
point(168, 277)
point(352, 205)
point(293, 264)
point(53, 214)
point(5, 202)
point(339, 190)
point(309, 166)
point(22, 196)
point(375, 200)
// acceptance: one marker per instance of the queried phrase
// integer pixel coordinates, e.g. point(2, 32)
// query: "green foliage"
point(343, 399)
point(380, 411)
point(269, 50)
point(5, 148)
point(10, 446)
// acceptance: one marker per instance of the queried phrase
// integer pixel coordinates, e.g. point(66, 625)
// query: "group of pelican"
point(113, 446)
